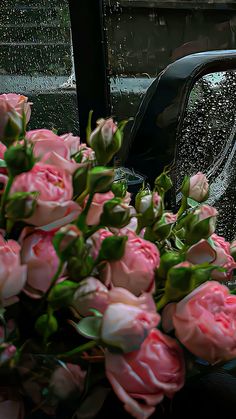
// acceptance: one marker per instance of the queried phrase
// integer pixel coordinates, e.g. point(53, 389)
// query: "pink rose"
point(204, 212)
point(106, 129)
point(11, 405)
point(198, 187)
point(135, 271)
point(169, 217)
point(96, 208)
point(12, 272)
point(154, 371)
point(121, 295)
point(52, 149)
point(218, 255)
point(72, 142)
point(2, 150)
point(10, 104)
point(55, 194)
point(125, 326)
point(39, 255)
point(67, 380)
point(204, 322)
point(86, 153)
point(91, 294)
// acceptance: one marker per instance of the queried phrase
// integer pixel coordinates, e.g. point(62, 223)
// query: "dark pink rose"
point(154, 371)
point(205, 320)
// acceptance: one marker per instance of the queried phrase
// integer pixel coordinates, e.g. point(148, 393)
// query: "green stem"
point(184, 205)
point(54, 279)
point(81, 222)
point(79, 349)
point(4, 198)
point(161, 303)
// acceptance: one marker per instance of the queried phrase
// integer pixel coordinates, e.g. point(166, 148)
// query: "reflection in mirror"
point(206, 142)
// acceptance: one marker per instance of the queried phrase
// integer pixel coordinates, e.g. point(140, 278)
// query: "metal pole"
point(90, 58)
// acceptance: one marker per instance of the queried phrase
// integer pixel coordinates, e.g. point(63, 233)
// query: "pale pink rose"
point(96, 208)
point(205, 320)
point(204, 212)
point(12, 272)
point(154, 371)
point(86, 153)
point(121, 295)
point(42, 262)
point(126, 326)
point(67, 380)
point(10, 104)
point(11, 405)
point(72, 142)
point(106, 128)
point(198, 187)
point(92, 293)
point(135, 271)
point(55, 194)
point(219, 255)
point(170, 218)
point(52, 149)
point(148, 200)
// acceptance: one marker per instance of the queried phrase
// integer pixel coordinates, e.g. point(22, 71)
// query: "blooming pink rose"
point(135, 270)
point(11, 405)
point(96, 208)
point(154, 371)
point(52, 149)
point(12, 272)
point(125, 326)
point(39, 255)
point(72, 142)
point(218, 255)
point(198, 187)
point(92, 293)
point(67, 380)
point(10, 104)
point(55, 194)
point(204, 212)
point(205, 320)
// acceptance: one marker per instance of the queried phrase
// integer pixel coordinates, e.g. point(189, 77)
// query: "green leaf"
point(192, 203)
point(178, 243)
point(3, 163)
point(89, 327)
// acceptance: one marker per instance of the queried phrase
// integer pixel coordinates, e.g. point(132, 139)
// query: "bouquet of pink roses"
point(96, 294)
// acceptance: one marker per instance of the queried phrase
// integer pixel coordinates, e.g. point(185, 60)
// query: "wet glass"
point(207, 143)
point(144, 36)
point(36, 60)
